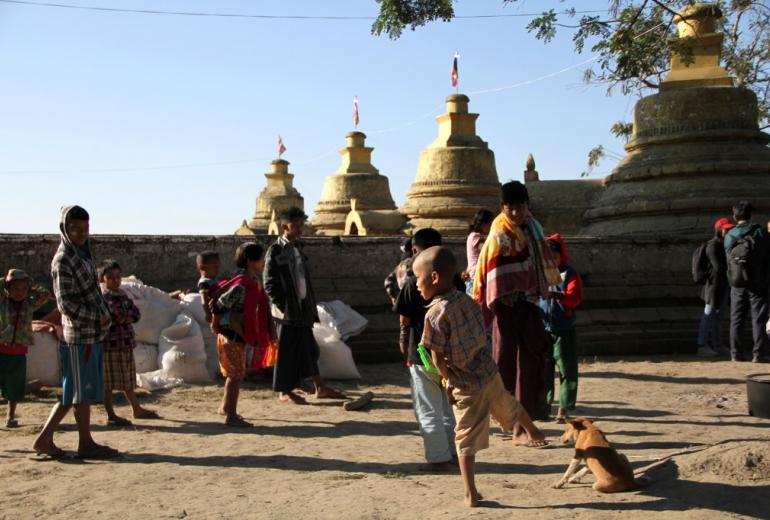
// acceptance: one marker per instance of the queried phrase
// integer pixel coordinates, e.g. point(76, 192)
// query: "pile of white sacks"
point(174, 344)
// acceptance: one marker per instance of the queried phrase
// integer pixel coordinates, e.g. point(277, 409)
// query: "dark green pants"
point(13, 377)
point(563, 356)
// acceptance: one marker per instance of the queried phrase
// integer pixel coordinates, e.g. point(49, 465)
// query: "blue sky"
point(86, 96)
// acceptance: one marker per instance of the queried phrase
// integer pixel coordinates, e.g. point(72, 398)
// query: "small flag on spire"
point(281, 147)
point(355, 111)
point(455, 73)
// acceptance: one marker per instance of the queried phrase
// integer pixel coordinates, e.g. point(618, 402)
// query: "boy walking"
point(287, 282)
point(454, 333)
point(86, 321)
point(559, 310)
point(119, 366)
point(18, 300)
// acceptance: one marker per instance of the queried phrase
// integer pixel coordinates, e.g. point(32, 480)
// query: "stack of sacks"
point(193, 306)
point(43, 362)
point(181, 353)
point(338, 323)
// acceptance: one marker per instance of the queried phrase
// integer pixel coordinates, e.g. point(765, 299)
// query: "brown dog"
point(612, 469)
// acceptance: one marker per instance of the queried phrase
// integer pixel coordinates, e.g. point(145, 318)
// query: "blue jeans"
point(434, 416)
point(710, 330)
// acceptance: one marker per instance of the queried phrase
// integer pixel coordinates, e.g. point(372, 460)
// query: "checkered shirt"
point(124, 314)
point(454, 329)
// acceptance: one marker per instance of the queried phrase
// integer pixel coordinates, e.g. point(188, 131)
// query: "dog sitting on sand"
point(612, 469)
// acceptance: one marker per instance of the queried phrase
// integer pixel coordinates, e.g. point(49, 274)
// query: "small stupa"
point(456, 175)
point(278, 195)
point(696, 146)
point(356, 179)
point(373, 222)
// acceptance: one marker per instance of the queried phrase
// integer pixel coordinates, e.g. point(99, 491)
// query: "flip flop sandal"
point(58, 454)
point(332, 394)
point(119, 422)
point(11, 423)
point(357, 404)
point(100, 453)
point(561, 419)
point(238, 422)
point(293, 399)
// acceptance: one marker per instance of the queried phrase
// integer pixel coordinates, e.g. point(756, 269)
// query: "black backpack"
point(743, 262)
point(701, 267)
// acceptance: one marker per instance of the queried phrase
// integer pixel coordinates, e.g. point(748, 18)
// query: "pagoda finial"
point(530, 174)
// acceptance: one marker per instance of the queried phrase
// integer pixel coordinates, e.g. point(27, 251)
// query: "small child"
point(239, 297)
point(208, 264)
point(396, 279)
point(479, 229)
point(454, 333)
point(119, 366)
point(19, 298)
point(559, 310)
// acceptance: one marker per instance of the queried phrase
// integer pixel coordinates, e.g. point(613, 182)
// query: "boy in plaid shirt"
point(119, 366)
point(454, 333)
point(85, 323)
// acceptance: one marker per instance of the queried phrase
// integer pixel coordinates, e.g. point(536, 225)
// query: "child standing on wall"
point(454, 333)
point(208, 264)
point(559, 310)
point(119, 366)
point(287, 282)
point(19, 298)
point(240, 298)
point(85, 323)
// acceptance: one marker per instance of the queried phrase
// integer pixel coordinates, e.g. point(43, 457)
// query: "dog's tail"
point(642, 481)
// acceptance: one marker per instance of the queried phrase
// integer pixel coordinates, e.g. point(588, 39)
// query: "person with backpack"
point(748, 261)
point(710, 270)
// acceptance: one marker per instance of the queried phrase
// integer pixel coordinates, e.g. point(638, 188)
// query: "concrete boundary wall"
point(639, 294)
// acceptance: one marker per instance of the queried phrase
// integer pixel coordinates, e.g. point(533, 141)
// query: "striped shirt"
point(454, 329)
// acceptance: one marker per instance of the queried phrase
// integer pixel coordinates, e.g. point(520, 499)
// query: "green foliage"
point(396, 15)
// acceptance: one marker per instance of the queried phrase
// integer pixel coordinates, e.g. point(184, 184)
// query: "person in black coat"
point(714, 293)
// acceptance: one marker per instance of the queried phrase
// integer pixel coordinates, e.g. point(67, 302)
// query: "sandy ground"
point(320, 461)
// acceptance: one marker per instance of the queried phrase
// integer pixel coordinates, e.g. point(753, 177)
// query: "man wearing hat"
point(19, 298)
point(714, 293)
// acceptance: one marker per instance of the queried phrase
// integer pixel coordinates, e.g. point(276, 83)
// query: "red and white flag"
point(455, 73)
point(281, 147)
point(355, 111)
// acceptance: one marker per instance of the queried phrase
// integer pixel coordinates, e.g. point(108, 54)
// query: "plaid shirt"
point(16, 318)
point(454, 329)
point(124, 314)
point(78, 297)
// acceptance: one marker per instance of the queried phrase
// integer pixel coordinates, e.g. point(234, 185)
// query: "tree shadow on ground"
point(700, 381)
point(679, 496)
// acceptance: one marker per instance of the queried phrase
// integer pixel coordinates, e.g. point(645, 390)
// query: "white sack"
point(341, 317)
point(43, 361)
point(336, 359)
point(158, 309)
point(157, 380)
point(193, 306)
point(181, 352)
point(145, 358)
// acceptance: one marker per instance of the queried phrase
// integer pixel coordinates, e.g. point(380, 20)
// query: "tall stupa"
point(696, 146)
point(278, 195)
point(456, 175)
point(356, 179)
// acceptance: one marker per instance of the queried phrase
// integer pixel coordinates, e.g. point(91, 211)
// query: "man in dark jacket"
point(287, 282)
point(750, 297)
point(714, 293)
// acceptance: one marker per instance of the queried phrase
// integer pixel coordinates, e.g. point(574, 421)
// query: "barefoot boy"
point(287, 282)
point(454, 333)
point(18, 300)
point(119, 367)
point(86, 321)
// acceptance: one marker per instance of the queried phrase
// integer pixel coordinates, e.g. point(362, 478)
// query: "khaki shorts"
point(472, 412)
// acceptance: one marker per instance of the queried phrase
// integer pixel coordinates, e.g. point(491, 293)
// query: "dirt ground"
point(320, 461)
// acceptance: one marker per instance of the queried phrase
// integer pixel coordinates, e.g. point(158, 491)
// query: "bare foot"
point(473, 498)
point(327, 392)
point(521, 438)
point(47, 448)
point(291, 398)
point(144, 413)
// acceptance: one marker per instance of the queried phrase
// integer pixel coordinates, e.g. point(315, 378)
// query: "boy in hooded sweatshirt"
point(86, 321)
point(559, 310)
